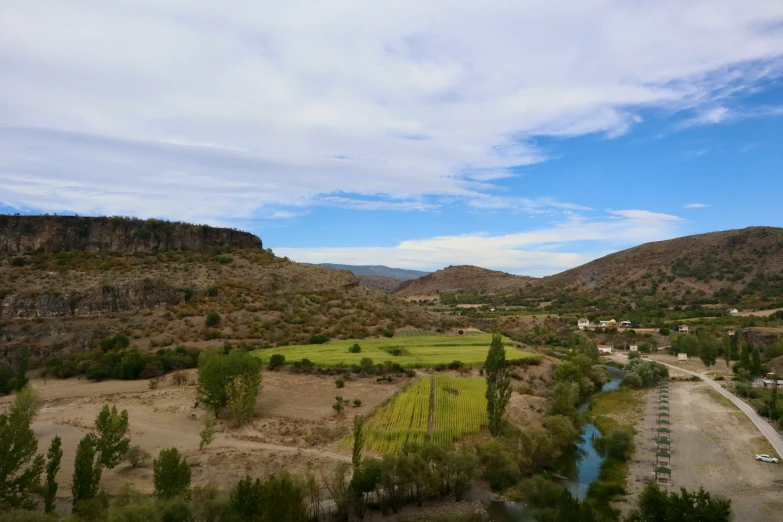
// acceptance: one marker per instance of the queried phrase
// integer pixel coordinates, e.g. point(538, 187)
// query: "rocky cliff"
point(20, 234)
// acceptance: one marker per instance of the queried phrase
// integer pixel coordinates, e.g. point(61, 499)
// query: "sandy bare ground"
point(760, 313)
point(713, 446)
point(294, 428)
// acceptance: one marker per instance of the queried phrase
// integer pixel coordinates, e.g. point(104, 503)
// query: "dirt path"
point(713, 446)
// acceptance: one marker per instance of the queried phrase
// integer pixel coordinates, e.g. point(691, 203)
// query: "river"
point(580, 465)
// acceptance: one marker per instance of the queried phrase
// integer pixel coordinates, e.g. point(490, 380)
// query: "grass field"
point(459, 409)
point(415, 351)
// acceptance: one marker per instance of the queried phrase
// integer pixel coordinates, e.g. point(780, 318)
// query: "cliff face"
point(20, 234)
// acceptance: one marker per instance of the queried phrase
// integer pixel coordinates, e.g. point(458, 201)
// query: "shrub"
point(136, 455)
point(213, 319)
point(339, 383)
point(318, 339)
point(664, 331)
point(18, 261)
point(357, 403)
point(179, 378)
point(461, 332)
point(338, 405)
point(276, 361)
point(355, 349)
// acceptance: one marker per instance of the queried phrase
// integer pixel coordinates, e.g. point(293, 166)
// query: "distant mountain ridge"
point(401, 274)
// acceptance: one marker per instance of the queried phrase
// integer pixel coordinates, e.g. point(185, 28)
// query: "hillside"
point(740, 267)
point(382, 283)
point(56, 300)
point(401, 274)
point(468, 279)
point(20, 234)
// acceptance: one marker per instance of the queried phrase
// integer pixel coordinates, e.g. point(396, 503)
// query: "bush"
point(664, 331)
point(318, 339)
point(355, 349)
point(18, 261)
point(276, 361)
point(136, 455)
point(357, 403)
point(339, 383)
point(461, 332)
point(213, 319)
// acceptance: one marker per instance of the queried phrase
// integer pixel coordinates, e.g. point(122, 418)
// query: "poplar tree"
point(53, 459)
point(727, 349)
point(498, 384)
point(86, 469)
point(756, 368)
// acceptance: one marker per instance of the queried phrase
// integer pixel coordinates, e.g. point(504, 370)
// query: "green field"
point(459, 409)
point(412, 352)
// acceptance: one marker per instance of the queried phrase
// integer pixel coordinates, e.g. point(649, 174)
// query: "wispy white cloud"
point(536, 252)
point(726, 115)
point(239, 109)
point(696, 205)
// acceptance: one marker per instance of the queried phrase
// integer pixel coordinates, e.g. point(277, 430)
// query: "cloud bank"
point(537, 252)
point(212, 111)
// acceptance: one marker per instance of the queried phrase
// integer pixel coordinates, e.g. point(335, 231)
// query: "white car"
point(766, 458)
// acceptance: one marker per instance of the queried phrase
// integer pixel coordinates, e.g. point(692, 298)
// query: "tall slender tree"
point(358, 442)
point(112, 428)
point(20, 464)
point(53, 459)
point(742, 348)
point(498, 384)
point(86, 469)
point(727, 349)
point(755, 368)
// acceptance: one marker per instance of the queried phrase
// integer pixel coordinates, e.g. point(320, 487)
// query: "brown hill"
point(382, 283)
point(20, 234)
point(466, 278)
point(734, 266)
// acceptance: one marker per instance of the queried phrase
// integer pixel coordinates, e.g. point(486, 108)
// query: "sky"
point(528, 136)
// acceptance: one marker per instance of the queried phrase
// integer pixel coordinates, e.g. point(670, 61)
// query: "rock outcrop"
point(20, 234)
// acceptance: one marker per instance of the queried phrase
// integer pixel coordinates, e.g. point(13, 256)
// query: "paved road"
point(768, 431)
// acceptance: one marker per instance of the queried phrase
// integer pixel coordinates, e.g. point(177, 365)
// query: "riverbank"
point(621, 409)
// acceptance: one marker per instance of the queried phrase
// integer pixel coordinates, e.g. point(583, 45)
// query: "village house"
point(603, 348)
point(682, 357)
point(732, 332)
point(685, 328)
point(634, 348)
point(604, 324)
point(583, 323)
point(733, 311)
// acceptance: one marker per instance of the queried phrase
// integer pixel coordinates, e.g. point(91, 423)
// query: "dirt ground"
point(294, 429)
point(713, 446)
point(694, 364)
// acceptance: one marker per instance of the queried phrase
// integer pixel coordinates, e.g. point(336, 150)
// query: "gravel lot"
point(713, 446)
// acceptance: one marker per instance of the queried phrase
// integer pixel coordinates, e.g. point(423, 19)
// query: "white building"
point(604, 349)
point(633, 348)
point(733, 311)
point(625, 324)
point(685, 328)
point(682, 356)
point(583, 323)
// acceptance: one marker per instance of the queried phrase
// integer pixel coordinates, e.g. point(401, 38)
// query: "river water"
point(581, 464)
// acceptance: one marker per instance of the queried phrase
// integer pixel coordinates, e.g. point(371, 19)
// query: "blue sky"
point(518, 136)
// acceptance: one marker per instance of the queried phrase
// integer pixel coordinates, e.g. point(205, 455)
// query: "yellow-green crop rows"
point(460, 408)
point(403, 420)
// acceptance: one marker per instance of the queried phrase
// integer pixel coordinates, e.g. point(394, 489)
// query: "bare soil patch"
point(713, 446)
point(294, 428)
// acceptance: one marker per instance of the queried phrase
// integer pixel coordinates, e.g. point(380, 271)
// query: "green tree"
point(213, 319)
point(112, 428)
point(742, 348)
point(708, 349)
point(207, 433)
point(242, 392)
point(53, 459)
point(358, 442)
point(247, 499)
point(171, 474)
point(86, 469)
point(217, 369)
point(655, 505)
point(755, 368)
point(498, 384)
point(20, 368)
point(284, 500)
point(20, 465)
point(136, 455)
point(727, 349)
point(27, 403)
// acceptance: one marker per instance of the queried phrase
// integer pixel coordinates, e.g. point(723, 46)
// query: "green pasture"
point(412, 352)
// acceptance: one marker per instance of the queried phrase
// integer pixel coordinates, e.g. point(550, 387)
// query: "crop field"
point(416, 351)
point(403, 420)
point(459, 409)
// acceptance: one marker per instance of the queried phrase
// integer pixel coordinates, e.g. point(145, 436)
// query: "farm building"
point(602, 348)
point(685, 328)
point(682, 356)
